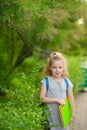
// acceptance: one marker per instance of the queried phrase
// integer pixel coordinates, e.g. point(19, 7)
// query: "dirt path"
point(80, 122)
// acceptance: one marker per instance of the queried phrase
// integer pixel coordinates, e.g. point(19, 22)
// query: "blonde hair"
point(55, 56)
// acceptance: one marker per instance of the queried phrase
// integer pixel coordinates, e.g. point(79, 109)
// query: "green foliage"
point(27, 16)
point(9, 52)
point(75, 72)
point(20, 112)
point(21, 108)
point(48, 24)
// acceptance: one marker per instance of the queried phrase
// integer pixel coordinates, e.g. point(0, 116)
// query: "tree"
point(38, 24)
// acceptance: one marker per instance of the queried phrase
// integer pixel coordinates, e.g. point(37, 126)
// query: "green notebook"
point(65, 113)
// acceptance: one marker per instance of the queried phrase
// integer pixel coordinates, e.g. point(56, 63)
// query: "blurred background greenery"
point(29, 32)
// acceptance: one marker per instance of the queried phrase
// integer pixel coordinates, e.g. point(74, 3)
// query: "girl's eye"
point(54, 67)
point(60, 67)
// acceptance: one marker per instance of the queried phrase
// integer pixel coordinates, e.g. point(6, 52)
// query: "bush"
point(21, 110)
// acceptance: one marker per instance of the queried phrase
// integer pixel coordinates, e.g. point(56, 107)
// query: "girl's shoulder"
point(49, 78)
point(69, 82)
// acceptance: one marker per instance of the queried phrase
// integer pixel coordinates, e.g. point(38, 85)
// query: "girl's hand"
point(72, 118)
point(60, 101)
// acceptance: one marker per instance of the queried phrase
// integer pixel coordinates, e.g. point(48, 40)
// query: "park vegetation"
point(29, 32)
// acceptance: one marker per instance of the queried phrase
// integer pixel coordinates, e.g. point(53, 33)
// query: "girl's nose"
point(57, 69)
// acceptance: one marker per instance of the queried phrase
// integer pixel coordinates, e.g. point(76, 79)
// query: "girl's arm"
point(46, 99)
point(72, 103)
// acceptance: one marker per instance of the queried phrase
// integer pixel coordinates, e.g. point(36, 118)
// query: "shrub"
point(22, 110)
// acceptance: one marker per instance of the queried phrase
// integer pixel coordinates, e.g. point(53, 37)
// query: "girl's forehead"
point(57, 62)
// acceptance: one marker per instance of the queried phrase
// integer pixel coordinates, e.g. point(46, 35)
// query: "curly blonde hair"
point(55, 56)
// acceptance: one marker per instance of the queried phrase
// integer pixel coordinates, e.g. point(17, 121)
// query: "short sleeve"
point(43, 82)
point(70, 85)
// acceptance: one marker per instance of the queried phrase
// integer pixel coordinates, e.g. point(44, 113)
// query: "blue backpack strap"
point(66, 81)
point(47, 83)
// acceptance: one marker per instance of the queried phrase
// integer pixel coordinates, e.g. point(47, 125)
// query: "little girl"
point(56, 70)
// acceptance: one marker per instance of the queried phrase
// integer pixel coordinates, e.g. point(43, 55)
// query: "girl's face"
point(57, 68)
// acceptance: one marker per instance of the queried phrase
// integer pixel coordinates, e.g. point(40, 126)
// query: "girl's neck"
point(58, 78)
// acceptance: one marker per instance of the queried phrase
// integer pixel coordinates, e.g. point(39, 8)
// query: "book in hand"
point(65, 113)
